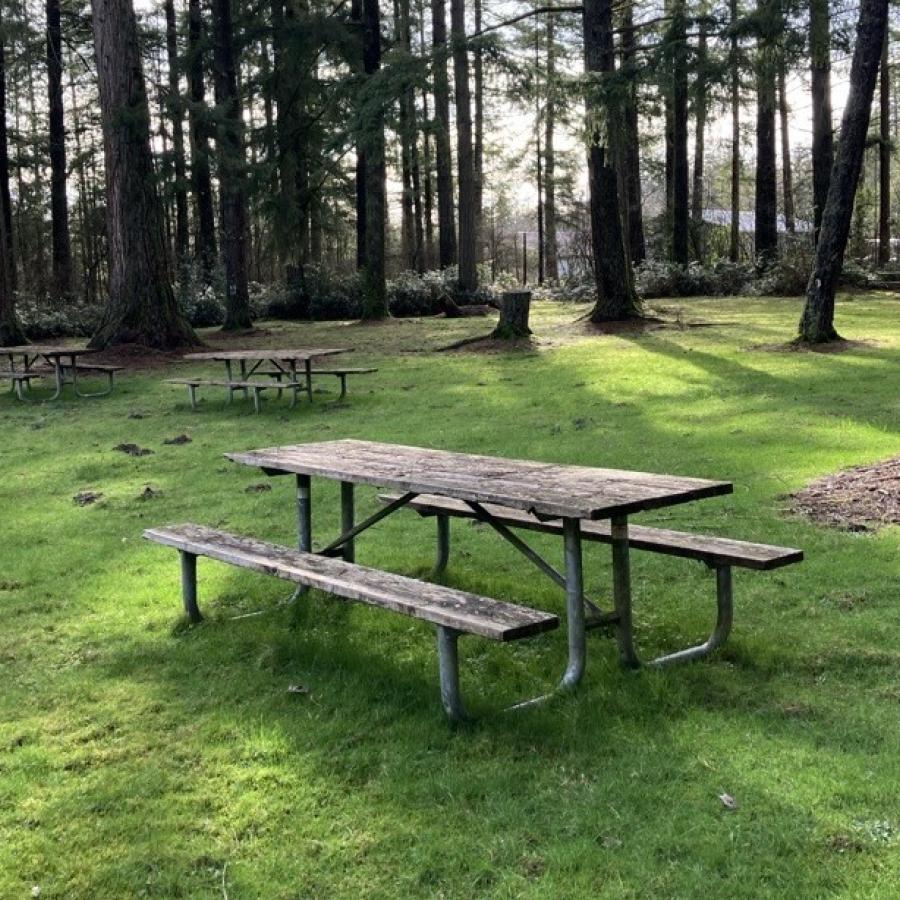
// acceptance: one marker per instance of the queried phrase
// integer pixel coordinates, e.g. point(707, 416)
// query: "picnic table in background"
point(31, 362)
point(291, 370)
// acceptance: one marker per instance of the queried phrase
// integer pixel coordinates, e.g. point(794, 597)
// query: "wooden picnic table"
point(285, 362)
point(62, 360)
point(548, 491)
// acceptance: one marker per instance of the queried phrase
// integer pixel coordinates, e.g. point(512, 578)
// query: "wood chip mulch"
point(860, 499)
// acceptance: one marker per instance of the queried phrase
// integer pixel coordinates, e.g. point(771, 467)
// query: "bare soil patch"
point(859, 499)
point(840, 346)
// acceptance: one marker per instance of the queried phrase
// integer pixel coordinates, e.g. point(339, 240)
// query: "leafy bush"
point(202, 305)
point(43, 321)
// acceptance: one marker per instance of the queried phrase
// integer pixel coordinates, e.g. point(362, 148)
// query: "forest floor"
point(140, 757)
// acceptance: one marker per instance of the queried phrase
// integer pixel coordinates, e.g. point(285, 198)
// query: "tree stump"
point(514, 309)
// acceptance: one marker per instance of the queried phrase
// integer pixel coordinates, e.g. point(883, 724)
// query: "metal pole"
point(347, 515)
point(622, 591)
point(443, 543)
point(189, 586)
point(448, 667)
point(574, 605)
point(304, 524)
point(524, 257)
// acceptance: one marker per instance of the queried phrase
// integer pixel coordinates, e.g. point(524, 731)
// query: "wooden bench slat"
point(343, 371)
point(714, 550)
point(440, 605)
point(95, 367)
point(215, 382)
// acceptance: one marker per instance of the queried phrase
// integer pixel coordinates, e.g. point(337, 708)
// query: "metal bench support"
point(622, 592)
point(574, 605)
point(347, 516)
point(189, 586)
point(443, 543)
point(448, 667)
point(724, 603)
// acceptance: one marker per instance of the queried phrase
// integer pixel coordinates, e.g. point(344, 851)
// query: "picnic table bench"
point(577, 502)
point(292, 370)
point(451, 611)
point(40, 361)
point(718, 553)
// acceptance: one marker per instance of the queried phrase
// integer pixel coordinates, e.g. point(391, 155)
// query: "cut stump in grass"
point(514, 309)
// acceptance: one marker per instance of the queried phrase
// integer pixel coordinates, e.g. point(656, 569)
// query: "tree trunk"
point(205, 238)
point(766, 224)
point(734, 251)
point(478, 148)
point(700, 104)
point(616, 299)
point(787, 178)
point(6, 216)
point(374, 287)
point(11, 332)
point(514, 309)
point(817, 322)
point(427, 190)
point(356, 17)
point(443, 160)
point(232, 166)
point(632, 150)
point(884, 161)
point(59, 202)
point(551, 258)
point(176, 113)
point(680, 227)
point(465, 163)
point(407, 137)
point(823, 128)
point(142, 307)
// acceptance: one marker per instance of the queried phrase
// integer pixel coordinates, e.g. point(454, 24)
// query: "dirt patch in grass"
point(859, 499)
point(488, 344)
point(136, 356)
point(840, 346)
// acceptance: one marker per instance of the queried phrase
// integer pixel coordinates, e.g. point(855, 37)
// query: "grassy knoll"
point(140, 757)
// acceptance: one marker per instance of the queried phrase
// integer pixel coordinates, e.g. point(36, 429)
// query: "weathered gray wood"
point(46, 350)
point(548, 490)
point(514, 309)
point(261, 354)
point(223, 382)
point(92, 367)
point(715, 551)
point(440, 605)
point(343, 371)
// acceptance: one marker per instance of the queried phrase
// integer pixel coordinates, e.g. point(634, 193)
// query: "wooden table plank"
point(298, 355)
point(545, 489)
point(46, 350)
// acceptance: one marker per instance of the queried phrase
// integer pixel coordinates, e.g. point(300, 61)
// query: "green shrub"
point(43, 321)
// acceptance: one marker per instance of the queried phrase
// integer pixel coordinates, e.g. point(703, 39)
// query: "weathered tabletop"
point(63, 360)
point(268, 355)
point(284, 362)
point(549, 490)
point(48, 351)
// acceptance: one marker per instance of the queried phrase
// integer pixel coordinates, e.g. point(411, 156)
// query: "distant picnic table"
point(578, 503)
point(290, 370)
point(32, 362)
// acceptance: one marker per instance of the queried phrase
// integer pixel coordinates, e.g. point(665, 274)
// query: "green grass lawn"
point(142, 757)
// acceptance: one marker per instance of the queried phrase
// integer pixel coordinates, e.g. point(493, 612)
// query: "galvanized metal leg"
point(244, 378)
point(347, 517)
point(304, 523)
point(574, 605)
point(343, 386)
point(448, 666)
point(308, 368)
point(231, 390)
point(443, 543)
point(189, 586)
point(622, 592)
point(192, 391)
point(256, 393)
point(725, 605)
point(110, 384)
